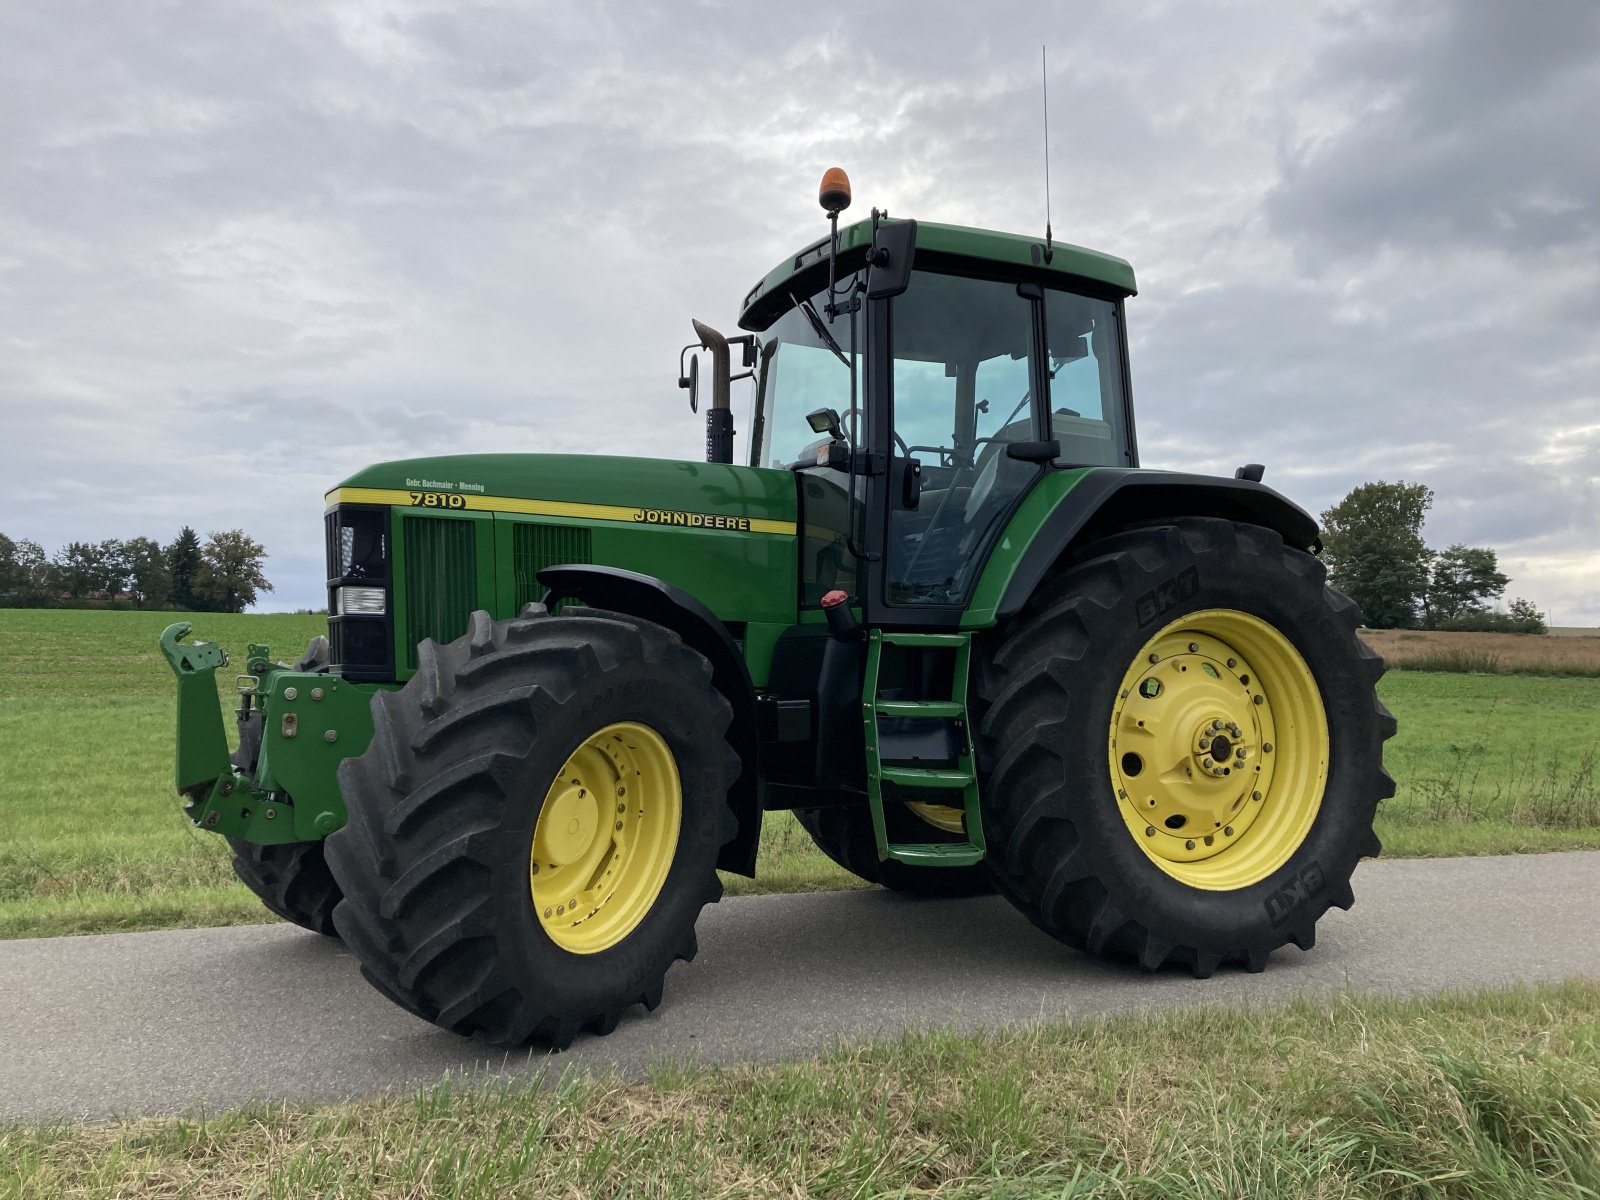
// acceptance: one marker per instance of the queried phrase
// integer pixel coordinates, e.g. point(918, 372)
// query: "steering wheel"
point(898, 440)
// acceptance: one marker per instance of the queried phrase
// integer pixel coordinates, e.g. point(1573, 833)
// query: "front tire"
point(291, 879)
point(1182, 748)
point(535, 825)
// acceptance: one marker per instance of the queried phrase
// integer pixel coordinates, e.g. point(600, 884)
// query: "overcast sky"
point(246, 249)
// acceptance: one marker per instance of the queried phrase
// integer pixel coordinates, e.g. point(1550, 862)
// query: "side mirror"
point(691, 380)
point(889, 260)
point(1034, 452)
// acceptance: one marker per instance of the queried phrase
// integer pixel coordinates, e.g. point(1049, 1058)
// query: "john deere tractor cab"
point(927, 600)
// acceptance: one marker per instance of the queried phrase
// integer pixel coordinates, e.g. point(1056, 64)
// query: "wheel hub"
point(605, 837)
point(1193, 759)
point(568, 831)
point(1219, 747)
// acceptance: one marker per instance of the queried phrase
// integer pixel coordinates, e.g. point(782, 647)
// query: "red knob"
point(835, 598)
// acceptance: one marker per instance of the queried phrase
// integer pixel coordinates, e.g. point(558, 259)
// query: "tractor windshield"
point(801, 373)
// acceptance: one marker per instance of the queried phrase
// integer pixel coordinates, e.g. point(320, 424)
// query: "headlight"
point(358, 544)
point(365, 601)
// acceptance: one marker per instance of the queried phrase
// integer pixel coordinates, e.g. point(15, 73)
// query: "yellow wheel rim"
point(940, 816)
point(605, 837)
point(1219, 749)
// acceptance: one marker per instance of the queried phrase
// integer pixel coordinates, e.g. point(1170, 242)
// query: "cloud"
point(1463, 126)
point(247, 249)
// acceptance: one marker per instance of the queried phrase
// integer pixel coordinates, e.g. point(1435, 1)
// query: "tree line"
point(1372, 542)
point(223, 574)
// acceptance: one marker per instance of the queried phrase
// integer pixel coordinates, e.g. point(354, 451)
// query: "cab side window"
point(1083, 340)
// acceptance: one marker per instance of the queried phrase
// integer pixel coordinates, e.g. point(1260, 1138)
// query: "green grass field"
point(92, 840)
point(1493, 1095)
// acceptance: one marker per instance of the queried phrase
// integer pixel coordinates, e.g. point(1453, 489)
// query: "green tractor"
point(935, 608)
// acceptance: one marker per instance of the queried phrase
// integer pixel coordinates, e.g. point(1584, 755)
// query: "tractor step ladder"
point(956, 786)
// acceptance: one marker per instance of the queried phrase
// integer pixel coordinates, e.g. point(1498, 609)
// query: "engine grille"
point(441, 578)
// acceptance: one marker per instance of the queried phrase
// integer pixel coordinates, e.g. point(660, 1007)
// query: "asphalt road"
point(95, 1027)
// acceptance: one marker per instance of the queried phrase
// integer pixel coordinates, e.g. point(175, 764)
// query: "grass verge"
point(1493, 1094)
point(92, 841)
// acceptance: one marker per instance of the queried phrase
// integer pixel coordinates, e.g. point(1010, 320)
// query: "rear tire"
point(1119, 819)
point(845, 835)
point(496, 775)
point(293, 879)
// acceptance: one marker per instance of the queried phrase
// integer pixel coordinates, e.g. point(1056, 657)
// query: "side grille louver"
point(535, 547)
point(440, 577)
point(441, 580)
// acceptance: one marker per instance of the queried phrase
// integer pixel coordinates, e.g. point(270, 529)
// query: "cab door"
point(957, 378)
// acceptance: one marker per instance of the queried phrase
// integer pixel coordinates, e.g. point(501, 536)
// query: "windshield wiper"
point(820, 329)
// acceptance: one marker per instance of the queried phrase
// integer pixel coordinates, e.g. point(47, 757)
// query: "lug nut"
point(1266, 747)
point(1189, 845)
point(1258, 699)
point(1194, 647)
point(1228, 831)
point(1149, 831)
point(1255, 795)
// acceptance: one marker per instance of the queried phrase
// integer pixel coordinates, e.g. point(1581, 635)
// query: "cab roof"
point(1068, 263)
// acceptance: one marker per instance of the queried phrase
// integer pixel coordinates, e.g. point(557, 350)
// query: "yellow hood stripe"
point(466, 501)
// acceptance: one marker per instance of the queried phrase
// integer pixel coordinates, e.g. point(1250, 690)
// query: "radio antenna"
point(1044, 80)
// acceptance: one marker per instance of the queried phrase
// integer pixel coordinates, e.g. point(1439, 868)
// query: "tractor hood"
point(597, 488)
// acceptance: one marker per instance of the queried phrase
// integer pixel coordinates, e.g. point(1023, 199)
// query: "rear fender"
point(675, 609)
point(1104, 501)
